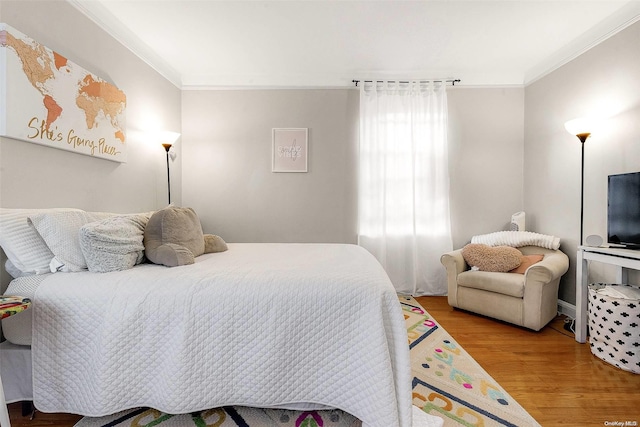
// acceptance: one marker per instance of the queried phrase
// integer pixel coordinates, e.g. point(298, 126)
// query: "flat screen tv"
point(623, 210)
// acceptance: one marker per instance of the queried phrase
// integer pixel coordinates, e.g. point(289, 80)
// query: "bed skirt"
point(15, 369)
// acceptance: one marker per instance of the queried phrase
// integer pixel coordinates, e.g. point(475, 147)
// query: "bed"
point(298, 326)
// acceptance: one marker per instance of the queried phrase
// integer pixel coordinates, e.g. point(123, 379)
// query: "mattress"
point(17, 328)
point(299, 325)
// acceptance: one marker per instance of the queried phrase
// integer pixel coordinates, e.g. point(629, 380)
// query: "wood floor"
point(558, 381)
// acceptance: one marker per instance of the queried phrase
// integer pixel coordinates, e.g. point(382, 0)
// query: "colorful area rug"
point(447, 383)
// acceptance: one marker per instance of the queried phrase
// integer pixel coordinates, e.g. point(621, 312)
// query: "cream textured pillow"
point(60, 231)
point(486, 258)
point(22, 244)
point(115, 243)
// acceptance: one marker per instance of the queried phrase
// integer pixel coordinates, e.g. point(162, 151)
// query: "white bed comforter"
point(259, 325)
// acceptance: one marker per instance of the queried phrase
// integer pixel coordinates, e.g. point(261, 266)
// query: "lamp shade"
point(168, 137)
point(581, 128)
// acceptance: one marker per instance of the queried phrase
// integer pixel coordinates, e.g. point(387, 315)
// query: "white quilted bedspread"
point(259, 325)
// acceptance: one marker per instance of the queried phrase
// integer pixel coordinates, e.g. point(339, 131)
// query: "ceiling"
point(327, 43)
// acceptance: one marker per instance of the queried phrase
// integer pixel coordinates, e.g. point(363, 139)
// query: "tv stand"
point(620, 246)
point(624, 259)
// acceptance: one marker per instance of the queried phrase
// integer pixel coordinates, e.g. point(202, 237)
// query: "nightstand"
point(9, 305)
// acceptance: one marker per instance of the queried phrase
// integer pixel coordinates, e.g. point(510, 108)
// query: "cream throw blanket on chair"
point(517, 239)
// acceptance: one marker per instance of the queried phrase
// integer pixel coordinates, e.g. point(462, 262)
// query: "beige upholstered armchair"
point(529, 299)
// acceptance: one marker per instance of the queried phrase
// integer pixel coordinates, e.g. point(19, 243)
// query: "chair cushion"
point(502, 283)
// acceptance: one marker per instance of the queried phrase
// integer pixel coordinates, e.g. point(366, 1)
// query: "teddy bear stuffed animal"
point(173, 236)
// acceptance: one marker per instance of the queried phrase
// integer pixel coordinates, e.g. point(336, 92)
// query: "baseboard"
point(567, 309)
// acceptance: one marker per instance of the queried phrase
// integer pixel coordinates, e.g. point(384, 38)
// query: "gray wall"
point(37, 176)
point(227, 167)
point(485, 159)
point(604, 82)
point(227, 164)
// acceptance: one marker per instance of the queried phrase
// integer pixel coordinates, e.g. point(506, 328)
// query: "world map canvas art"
point(47, 99)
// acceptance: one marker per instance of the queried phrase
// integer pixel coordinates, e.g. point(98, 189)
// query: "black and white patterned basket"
point(614, 329)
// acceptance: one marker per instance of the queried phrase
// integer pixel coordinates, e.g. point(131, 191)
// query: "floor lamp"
point(168, 139)
point(580, 128)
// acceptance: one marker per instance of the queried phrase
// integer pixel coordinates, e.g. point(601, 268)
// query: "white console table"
point(624, 259)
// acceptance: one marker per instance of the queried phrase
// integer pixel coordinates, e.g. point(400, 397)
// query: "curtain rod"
point(452, 81)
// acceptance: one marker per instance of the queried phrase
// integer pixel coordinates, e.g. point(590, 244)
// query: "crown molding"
point(626, 16)
point(96, 12)
point(107, 22)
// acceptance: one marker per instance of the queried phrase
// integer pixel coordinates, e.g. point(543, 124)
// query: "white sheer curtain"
point(403, 186)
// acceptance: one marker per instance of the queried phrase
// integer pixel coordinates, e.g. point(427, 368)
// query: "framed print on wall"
point(49, 100)
point(290, 150)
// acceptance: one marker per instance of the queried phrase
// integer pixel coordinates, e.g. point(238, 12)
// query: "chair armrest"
point(552, 266)
point(541, 289)
point(454, 262)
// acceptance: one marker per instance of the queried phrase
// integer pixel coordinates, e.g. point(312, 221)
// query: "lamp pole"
point(582, 194)
point(167, 139)
point(582, 137)
point(579, 127)
point(167, 147)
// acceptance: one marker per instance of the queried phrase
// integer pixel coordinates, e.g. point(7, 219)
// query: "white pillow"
point(22, 244)
point(115, 243)
point(60, 231)
point(13, 270)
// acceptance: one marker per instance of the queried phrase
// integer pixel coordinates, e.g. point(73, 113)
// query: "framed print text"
point(47, 99)
point(290, 150)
